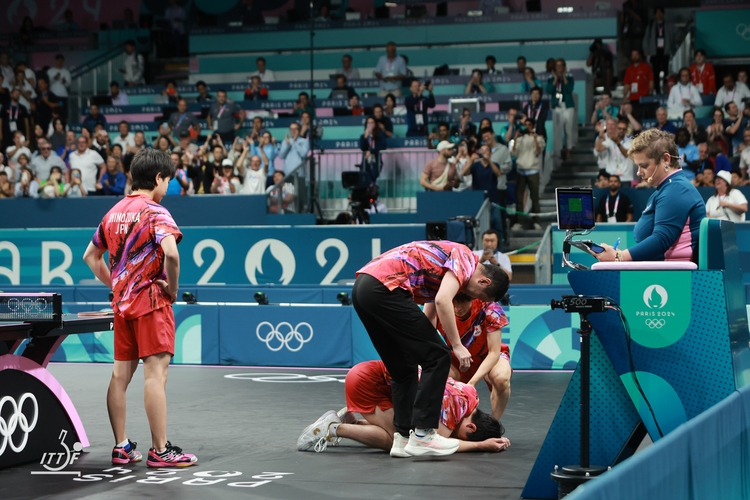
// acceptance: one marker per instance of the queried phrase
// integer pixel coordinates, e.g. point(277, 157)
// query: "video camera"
point(362, 192)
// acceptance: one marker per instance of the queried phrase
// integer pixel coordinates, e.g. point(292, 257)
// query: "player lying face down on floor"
point(368, 393)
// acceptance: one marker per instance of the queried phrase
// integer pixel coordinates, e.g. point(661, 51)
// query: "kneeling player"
point(479, 326)
point(368, 392)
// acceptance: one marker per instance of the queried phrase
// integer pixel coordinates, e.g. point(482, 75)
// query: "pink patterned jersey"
point(419, 267)
point(132, 232)
point(459, 401)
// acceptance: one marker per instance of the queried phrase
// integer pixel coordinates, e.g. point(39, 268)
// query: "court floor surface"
point(243, 424)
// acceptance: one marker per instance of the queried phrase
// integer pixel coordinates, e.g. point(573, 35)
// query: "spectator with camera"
point(683, 96)
point(604, 109)
point(75, 189)
point(183, 120)
point(659, 45)
point(27, 186)
point(294, 150)
point(731, 92)
point(372, 142)
point(346, 68)
point(382, 121)
point(439, 174)
point(528, 148)
point(417, 105)
point(490, 253)
point(460, 160)
point(702, 74)
point(438, 135)
point(257, 130)
point(54, 185)
point(485, 173)
point(475, 85)
point(391, 69)
point(225, 117)
point(43, 163)
point(18, 148)
point(15, 118)
point(638, 82)
point(600, 61)
point(265, 74)
point(464, 128)
point(342, 86)
point(256, 91)
point(611, 149)
point(113, 180)
point(560, 87)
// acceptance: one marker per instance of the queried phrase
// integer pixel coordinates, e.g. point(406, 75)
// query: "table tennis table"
point(37, 418)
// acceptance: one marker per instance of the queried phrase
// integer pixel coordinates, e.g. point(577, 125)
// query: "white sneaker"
point(399, 443)
point(517, 227)
point(537, 226)
point(316, 434)
point(431, 444)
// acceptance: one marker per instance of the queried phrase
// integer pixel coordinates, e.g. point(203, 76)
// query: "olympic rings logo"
point(655, 323)
point(743, 30)
point(17, 420)
point(283, 335)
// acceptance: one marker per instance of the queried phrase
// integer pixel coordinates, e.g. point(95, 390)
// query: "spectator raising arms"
point(475, 85)
point(417, 105)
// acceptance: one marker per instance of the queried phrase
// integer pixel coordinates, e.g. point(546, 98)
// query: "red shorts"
point(144, 336)
point(466, 376)
point(368, 386)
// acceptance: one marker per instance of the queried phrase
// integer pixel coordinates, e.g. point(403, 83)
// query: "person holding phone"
point(417, 105)
point(372, 142)
point(74, 189)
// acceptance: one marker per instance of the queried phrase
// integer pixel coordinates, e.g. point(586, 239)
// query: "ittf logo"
point(655, 297)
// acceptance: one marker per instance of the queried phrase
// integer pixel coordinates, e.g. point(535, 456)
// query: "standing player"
point(479, 326)
point(143, 272)
point(385, 296)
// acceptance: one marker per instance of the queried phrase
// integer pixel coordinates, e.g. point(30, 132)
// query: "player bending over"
point(143, 272)
point(368, 392)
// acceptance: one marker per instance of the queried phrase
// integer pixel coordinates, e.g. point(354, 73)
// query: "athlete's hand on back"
point(463, 356)
point(165, 287)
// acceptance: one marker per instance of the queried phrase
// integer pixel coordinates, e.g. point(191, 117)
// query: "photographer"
point(372, 142)
point(416, 108)
point(475, 85)
point(528, 148)
point(27, 187)
point(75, 188)
point(464, 128)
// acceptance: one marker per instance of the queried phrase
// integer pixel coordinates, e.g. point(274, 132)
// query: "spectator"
point(303, 104)
point(57, 137)
point(528, 148)
point(390, 108)
point(658, 44)
point(718, 158)
point(75, 188)
point(662, 123)
point(101, 144)
point(475, 85)
point(602, 180)
point(529, 80)
point(688, 153)
point(702, 74)
point(409, 73)
point(611, 151)
point(490, 253)
point(604, 109)
point(180, 184)
point(500, 156)
point(27, 186)
point(170, 91)
point(28, 94)
point(6, 68)
point(355, 107)
point(416, 108)
point(126, 139)
point(6, 186)
point(391, 69)
point(461, 159)
point(257, 130)
point(17, 148)
point(223, 182)
point(484, 173)
point(305, 125)
point(45, 102)
point(346, 68)
point(294, 150)
point(734, 124)
point(707, 180)
point(118, 151)
point(288, 195)
point(638, 82)
point(119, 98)
point(616, 206)
point(203, 95)
point(601, 64)
point(745, 153)
point(726, 203)
point(60, 81)
point(560, 87)
point(175, 16)
point(697, 132)
point(715, 130)
point(439, 174)
point(38, 136)
point(183, 120)
point(742, 78)
point(225, 117)
point(490, 61)
point(68, 148)
point(521, 65)
point(53, 186)
point(267, 151)
point(4, 93)
point(464, 128)
point(203, 175)
point(251, 15)
point(383, 122)
point(256, 91)
point(45, 161)
point(632, 17)
point(731, 92)
point(549, 66)
point(254, 178)
point(683, 96)
point(89, 163)
point(68, 24)
point(162, 144)
point(341, 85)
point(266, 75)
point(133, 67)
point(537, 110)
point(28, 73)
point(441, 135)
point(737, 179)
point(113, 180)
point(372, 142)
point(93, 119)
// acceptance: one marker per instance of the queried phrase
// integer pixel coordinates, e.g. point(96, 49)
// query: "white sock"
point(420, 432)
point(332, 430)
point(122, 445)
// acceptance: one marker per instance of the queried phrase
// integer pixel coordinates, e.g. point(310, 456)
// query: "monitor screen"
point(575, 208)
